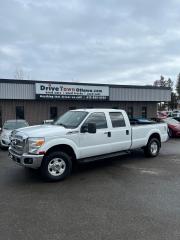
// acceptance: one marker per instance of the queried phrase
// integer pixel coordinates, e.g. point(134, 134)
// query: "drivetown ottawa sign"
point(71, 91)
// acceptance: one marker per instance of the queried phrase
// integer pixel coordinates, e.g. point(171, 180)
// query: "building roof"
point(28, 90)
point(18, 81)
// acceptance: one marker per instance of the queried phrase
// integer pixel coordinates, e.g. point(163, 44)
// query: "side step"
point(104, 156)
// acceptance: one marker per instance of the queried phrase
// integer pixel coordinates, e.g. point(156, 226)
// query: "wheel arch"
point(64, 148)
point(155, 135)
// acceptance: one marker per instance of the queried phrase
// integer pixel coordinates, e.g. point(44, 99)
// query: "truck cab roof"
point(91, 110)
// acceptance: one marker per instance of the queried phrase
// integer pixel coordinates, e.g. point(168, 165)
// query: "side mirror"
point(84, 129)
point(91, 127)
point(0, 129)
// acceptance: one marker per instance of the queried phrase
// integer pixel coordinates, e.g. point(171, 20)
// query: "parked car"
point(177, 118)
point(7, 128)
point(49, 121)
point(81, 136)
point(176, 113)
point(173, 127)
point(164, 114)
point(135, 121)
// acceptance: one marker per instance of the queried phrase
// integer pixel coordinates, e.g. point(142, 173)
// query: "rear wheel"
point(152, 148)
point(170, 132)
point(56, 166)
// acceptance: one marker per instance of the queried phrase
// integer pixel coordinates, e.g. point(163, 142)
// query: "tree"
point(169, 83)
point(173, 103)
point(178, 86)
point(162, 82)
point(20, 74)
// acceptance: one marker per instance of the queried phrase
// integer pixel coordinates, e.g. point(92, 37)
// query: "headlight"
point(4, 136)
point(34, 144)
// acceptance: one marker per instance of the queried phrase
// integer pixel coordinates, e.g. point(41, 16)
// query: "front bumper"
point(26, 160)
point(5, 143)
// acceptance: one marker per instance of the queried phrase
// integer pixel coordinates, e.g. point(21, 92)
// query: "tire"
point(3, 148)
point(152, 148)
point(56, 166)
point(170, 132)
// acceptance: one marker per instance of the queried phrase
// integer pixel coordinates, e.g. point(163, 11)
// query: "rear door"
point(97, 143)
point(120, 132)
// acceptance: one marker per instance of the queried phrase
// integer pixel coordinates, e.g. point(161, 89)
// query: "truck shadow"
point(136, 155)
point(31, 176)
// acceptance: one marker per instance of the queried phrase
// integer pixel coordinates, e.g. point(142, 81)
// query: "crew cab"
point(81, 136)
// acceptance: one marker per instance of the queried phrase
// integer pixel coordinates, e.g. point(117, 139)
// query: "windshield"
point(71, 119)
point(170, 121)
point(14, 125)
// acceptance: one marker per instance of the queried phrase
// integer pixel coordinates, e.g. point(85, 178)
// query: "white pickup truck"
point(80, 136)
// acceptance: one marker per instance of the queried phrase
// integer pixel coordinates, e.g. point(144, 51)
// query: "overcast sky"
point(108, 41)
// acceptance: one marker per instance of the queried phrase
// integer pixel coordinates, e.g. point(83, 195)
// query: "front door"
point(97, 143)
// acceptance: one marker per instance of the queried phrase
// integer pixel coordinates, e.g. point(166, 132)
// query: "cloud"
point(123, 42)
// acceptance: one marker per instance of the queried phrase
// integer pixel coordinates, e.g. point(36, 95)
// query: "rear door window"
point(117, 119)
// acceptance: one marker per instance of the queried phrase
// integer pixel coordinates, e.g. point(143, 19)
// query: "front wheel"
point(3, 148)
point(56, 166)
point(152, 148)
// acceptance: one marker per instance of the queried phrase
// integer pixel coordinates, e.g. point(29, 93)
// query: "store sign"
point(68, 91)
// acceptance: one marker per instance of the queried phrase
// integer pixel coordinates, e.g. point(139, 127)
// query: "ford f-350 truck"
point(80, 136)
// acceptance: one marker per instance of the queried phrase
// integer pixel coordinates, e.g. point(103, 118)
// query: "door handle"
point(108, 134)
point(127, 132)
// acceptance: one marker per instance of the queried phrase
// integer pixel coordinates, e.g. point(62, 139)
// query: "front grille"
point(18, 144)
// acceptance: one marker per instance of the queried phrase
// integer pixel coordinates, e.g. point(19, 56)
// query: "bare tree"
point(20, 74)
point(162, 82)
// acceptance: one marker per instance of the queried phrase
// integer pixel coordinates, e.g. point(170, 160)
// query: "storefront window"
point(130, 112)
point(144, 112)
point(19, 112)
point(72, 108)
point(53, 112)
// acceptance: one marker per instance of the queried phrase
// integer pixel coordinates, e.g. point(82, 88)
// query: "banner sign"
point(71, 92)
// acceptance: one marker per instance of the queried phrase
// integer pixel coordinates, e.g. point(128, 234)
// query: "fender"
point(155, 130)
point(54, 142)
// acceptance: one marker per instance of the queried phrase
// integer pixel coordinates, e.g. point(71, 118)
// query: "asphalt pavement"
point(130, 198)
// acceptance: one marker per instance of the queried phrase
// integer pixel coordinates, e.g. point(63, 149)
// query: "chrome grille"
point(18, 144)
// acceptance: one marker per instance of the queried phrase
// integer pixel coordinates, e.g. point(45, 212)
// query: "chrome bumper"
point(4, 143)
point(26, 160)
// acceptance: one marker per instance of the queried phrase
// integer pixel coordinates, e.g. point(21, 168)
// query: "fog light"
point(28, 160)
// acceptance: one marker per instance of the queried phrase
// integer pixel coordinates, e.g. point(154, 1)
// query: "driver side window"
point(98, 118)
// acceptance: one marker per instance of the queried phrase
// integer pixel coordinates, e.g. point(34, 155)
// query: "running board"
point(104, 156)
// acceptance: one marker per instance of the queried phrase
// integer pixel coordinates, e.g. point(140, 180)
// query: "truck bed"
point(140, 133)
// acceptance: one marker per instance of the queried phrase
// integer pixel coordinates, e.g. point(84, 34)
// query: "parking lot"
point(129, 197)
